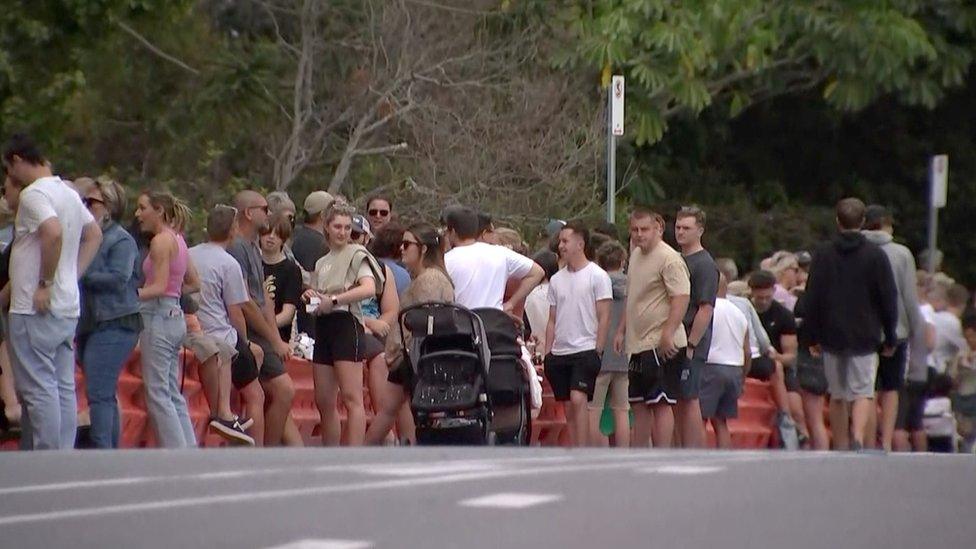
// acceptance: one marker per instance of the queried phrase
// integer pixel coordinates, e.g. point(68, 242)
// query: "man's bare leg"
point(663, 425)
point(723, 437)
point(690, 422)
point(861, 409)
point(643, 424)
point(813, 410)
point(253, 396)
point(621, 429)
point(280, 392)
point(840, 423)
point(889, 414)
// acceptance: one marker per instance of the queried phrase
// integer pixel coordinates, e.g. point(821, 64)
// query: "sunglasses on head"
point(379, 213)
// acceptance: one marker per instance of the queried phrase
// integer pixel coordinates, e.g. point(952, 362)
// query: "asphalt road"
point(484, 498)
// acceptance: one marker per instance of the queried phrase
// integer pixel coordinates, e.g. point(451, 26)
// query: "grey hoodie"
point(910, 320)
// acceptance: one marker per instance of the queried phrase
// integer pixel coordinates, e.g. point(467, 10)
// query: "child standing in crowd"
point(612, 382)
point(283, 275)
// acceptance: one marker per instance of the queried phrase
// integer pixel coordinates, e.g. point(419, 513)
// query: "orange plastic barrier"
point(753, 428)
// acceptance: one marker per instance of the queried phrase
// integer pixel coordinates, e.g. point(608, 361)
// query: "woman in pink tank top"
point(167, 269)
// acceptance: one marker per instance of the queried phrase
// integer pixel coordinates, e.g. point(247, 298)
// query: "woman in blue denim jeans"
point(110, 324)
point(167, 270)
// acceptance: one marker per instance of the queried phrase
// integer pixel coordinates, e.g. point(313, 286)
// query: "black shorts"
point(911, 406)
point(762, 368)
point(272, 366)
point(652, 381)
point(244, 367)
point(810, 373)
point(891, 369)
point(339, 337)
point(575, 372)
point(402, 375)
point(372, 347)
point(790, 379)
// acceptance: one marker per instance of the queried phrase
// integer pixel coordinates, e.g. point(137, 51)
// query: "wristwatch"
point(335, 301)
point(46, 283)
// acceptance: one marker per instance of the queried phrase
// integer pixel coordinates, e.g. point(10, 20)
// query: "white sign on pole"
point(617, 105)
point(939, 175)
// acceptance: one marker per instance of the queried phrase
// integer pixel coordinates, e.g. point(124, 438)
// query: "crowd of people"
point(661, 337)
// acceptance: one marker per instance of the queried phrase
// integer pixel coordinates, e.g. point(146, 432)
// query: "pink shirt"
point(177, 268)
point(784, 297)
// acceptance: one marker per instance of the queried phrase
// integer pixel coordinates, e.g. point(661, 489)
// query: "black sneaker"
point(245, 422)
point(231, 430)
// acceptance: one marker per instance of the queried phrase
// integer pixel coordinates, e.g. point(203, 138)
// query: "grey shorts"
point(272, 366)
point(850, 377)
point(721, 386)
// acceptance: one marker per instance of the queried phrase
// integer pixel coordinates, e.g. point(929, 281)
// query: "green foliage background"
point(763, 111)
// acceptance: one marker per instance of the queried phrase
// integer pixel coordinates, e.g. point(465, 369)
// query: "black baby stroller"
point(450, 359)
point(508, 390)
point(468, 388)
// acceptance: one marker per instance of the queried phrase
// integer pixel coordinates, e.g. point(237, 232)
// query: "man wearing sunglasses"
point(252, 219)
point(379, 208)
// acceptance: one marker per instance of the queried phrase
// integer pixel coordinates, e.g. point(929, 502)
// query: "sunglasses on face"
point(88, 201)
point(405, 245)
point(379, 213)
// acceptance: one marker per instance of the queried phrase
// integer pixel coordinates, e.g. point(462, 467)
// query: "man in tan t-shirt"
point(658, 289)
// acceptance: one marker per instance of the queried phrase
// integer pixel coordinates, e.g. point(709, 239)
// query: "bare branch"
point(160, 53)
point(381, 150)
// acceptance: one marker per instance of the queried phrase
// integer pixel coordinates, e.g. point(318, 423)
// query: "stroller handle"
point(477, 326)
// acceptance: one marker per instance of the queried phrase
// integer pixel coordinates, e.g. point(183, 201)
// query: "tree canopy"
point(764, 111)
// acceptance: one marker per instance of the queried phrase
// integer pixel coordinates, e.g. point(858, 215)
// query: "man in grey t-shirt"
point(689, 226)
point(252, 217)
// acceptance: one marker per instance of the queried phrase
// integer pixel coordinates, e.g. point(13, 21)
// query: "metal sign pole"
point(611, 161)
point(938, 197)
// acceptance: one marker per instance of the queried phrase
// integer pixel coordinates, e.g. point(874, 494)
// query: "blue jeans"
point(162, 338)
point(104, 354)
point(43, 360)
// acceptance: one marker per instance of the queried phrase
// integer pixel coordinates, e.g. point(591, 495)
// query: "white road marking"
point(390, 469)
point(510, 500)
point(683, 469)
point(250, 496)
point(425, 469)
point(325, 544)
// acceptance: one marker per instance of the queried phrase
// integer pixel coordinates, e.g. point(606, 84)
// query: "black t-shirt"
point(704, 290)
point(309, 246)
point(778, 321)
point(288, 289)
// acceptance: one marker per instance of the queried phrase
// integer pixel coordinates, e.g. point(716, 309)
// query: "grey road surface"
point(484, 498)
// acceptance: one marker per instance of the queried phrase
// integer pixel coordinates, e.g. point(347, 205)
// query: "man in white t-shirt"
point(727, 364)
point(480, 271)
point(56, 239)
point(580, 295)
